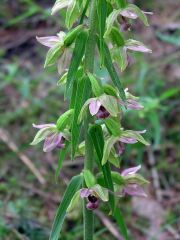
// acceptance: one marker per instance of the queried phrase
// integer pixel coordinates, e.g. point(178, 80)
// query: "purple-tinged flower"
point(131, 101)
point(101, 107)
point(125, 137)
point(52, 41)
point(96, 108)
point(133, 182)
point(94, 195)
point(90, 195)
point(131, 137)
point(51, 136)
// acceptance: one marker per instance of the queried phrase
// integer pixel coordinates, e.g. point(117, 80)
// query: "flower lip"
point(92, 198)
point(102, 113)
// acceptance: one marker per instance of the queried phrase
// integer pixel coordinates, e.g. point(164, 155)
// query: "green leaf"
point(72, 188)
point(113, 73)
point(42, 134)
point(110, 21)
point(121, 3)
point(120, 221)
point(62, 155)
point(53, 54)
point(89, 178)
point(110, 90)
point(83, 110)
point(102, 14)
point(71, 35)
point(116, 37)
point(74, 202)
point(113, 125)
point(76, 60)
point(96, 134)
point(73, 12)
point(116, 177)
point(65, 119)
point(109, 143)
point(96, 85)
point(81, 95)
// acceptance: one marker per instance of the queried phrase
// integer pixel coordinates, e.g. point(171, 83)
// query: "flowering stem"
point(88, 164)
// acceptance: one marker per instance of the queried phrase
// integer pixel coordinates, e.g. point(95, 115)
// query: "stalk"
point(88, 164)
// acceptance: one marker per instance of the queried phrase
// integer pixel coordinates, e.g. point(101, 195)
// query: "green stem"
point(88, 164)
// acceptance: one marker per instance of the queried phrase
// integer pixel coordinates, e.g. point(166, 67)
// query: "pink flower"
point(52, 41)
point(132, 188)
point(52, 138)
point(89, 194)
point(96, 108)
point(131, 137)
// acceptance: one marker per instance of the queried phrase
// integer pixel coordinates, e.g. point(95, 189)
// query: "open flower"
point(90, 195)
point(51, 136)
point(131, 101)
point(101, 107)
point(133, 182)
point(52, 41)
point(94, 195)
point(125, 137)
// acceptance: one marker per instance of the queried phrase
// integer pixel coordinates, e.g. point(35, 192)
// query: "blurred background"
point(29, 194)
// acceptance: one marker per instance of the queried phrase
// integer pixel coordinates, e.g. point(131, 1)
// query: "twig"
point(4, 136)
point(109, 225)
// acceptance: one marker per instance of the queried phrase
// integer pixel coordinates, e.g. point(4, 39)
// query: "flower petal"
point(92, 206)
point(49, 41)
point(94, 106)
point(134, 190)
point(85, 192)
point(130, 171)
point(40, 126)
point(129, 140)
point(137, 46)
point(128, 13)
point(52, 142)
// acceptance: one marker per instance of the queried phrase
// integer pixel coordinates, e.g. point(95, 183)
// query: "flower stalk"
point(88, 164)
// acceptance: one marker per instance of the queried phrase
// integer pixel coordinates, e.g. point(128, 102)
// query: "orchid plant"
point(92, 128)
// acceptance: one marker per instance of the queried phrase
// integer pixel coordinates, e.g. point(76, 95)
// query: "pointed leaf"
point(96, 134)
point(72, 188)
point(89, 178)
point(76, 60)
point(113, 73)
point(65, 119)
point(81, 96)
point(96, 85)
point(120, 221)
point(74, 202)
point(109, 143)
point(113, 125)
